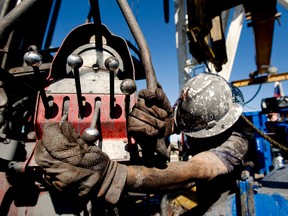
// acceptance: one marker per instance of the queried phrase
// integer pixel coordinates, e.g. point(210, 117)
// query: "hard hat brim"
point(222, 125)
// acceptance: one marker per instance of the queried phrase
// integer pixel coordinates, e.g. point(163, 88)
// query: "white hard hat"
point(207, 106)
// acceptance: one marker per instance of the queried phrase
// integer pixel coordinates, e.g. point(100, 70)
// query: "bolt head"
point(33, 58)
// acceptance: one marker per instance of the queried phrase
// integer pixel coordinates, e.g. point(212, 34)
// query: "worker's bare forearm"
point(203, 166)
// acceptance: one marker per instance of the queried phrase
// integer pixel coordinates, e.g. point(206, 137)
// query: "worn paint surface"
point(207, 106)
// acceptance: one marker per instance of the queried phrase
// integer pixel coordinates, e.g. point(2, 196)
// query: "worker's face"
point(273, 116)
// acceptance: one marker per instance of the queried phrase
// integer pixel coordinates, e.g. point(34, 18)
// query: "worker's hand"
point(151, 117)
point(71, 166)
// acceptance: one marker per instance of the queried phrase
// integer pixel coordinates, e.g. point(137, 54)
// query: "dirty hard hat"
point(207, 106)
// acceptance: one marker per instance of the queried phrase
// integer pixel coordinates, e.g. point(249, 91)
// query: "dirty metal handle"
point(96, 114)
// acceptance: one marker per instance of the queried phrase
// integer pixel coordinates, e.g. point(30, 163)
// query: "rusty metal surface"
point(27, 70)
point(263, 19)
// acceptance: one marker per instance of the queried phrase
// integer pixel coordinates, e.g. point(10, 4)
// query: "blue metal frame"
point(263, 148)
point(258, 201)
point(252, 199)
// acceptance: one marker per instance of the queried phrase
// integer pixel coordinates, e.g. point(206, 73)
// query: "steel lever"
point(75, 62)
point(90, 135)
point(34, 59)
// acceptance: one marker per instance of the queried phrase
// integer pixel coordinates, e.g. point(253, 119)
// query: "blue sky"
point(160, 38)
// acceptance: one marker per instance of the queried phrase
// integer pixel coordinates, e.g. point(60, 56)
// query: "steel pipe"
point(8, 22)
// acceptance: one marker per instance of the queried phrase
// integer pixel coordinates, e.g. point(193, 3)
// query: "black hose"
point(151, 80)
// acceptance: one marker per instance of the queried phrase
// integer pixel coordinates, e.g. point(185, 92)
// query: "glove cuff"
point(170, 126)
point(114, 182)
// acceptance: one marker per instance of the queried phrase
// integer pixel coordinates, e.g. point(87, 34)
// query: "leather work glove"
point(151, 118)
point(71, 166)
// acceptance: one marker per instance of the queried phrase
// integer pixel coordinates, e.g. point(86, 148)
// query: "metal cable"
point(261, 133)
point(258, 90)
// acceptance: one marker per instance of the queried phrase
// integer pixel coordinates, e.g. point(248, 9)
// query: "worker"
point(273, 116)
point(207, 111)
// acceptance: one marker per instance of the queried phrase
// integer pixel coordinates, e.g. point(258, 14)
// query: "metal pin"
point(34, 59)
point(90, 135)
point(75, 62)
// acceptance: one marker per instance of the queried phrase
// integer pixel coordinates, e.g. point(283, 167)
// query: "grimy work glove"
point(71, 166)
point(151, 117)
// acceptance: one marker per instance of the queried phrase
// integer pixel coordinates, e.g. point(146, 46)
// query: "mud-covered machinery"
point(89, 80)
point(91, 84)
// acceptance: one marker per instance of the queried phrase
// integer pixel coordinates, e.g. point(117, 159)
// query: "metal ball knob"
point(74, 61)
point(112, 63)
point(128, 86)
point(90, 135)
point(33, 58)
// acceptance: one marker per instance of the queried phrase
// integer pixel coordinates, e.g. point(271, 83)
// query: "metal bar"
point(181, 44)
point(7, 77)
point(261, 80)
point(96, 114)
point(95, 12)
point(52, 24)
point(41, 88)
point(232, 40)
point(263, 21)
point(284, 3)
point(26, 70)
point(78, 91)
point(65, 110)
point(250, 197)
point(243, 198)
point(112, 94)
point(5, 6)
point(166, 10)
point(8, 23)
